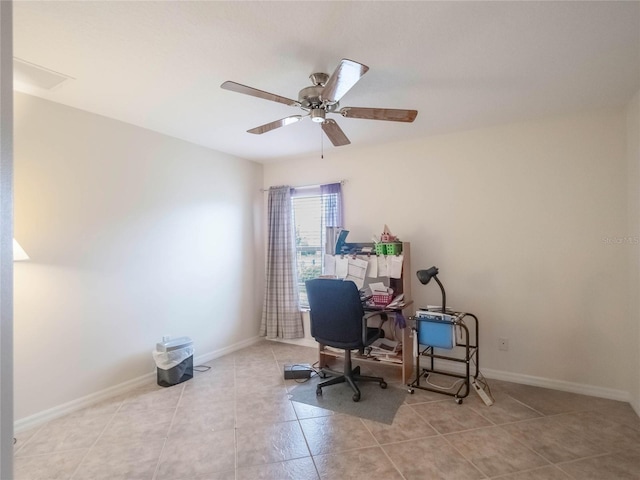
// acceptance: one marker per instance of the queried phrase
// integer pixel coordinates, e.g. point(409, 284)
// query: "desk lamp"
point(425, 277)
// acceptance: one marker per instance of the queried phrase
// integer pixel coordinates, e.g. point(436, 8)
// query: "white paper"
point(384, 345)
point(357, 271)
point(382, 266)
point(397, 301)
point(342, 267)
point(329, 265)
point(394, 264)
point(378, 287)
point(372, 271)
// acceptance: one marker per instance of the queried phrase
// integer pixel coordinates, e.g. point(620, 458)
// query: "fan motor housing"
point(310, 98)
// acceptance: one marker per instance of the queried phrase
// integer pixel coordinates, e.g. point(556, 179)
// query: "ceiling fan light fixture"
point(317, 115)
point(324, 97)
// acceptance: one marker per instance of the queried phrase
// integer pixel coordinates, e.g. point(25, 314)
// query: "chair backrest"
point(336, 312)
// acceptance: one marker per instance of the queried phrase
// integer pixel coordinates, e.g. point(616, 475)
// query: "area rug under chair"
point(375, 403)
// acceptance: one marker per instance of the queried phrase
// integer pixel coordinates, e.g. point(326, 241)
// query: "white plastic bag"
point(168, 360)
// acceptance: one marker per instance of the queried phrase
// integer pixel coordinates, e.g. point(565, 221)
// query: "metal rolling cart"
point(436, 330)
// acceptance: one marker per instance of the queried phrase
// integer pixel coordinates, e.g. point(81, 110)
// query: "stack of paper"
point(383, 346)
point(397, 302)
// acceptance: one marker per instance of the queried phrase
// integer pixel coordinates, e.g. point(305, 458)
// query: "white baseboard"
point(583, 389)
point(302, 342)
point(562, 385)
point(80, 403)
point(73, 406)
point(86, 401)
point(207, 357)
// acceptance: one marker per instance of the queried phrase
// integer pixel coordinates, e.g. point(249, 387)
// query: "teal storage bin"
point(433, 331)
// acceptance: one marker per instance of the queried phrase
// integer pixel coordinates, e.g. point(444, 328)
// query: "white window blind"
point(310, 218)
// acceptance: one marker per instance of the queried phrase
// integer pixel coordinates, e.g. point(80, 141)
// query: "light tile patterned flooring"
point(235, 422)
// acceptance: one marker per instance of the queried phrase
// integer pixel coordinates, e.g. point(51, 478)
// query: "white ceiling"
point(462, 65)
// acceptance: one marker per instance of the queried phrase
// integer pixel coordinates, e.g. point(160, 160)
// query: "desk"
point(404, 359)
point(399, 286)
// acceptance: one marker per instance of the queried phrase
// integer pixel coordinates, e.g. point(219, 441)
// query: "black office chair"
point(338, 320)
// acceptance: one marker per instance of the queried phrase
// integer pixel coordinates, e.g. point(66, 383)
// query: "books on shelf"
point(383, 346)
point(383, 350)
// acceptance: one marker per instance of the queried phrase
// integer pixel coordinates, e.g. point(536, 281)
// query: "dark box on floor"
point(301, 370)
point(175, 375)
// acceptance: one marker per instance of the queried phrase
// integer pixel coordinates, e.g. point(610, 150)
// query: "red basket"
point(382, 300)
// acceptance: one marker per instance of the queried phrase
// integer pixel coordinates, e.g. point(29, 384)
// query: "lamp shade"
point(18, 252)
point(425, 276)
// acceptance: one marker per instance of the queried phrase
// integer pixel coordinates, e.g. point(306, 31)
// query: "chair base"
point(350, 376)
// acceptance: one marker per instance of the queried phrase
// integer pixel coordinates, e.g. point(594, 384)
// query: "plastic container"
point(174, 361)
point(393, 248)
point(382, 299)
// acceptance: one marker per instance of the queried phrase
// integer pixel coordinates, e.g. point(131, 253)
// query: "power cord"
point(314, 372)
point(202, 368)
point(440, 387)
point(481, 386)
point(482, 381)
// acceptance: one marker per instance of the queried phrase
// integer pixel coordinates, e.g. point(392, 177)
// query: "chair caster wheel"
point(323, 375)
point(356, 397)
point(383, 385)
point(318, 392)
point(459, 401)
point(411, 391)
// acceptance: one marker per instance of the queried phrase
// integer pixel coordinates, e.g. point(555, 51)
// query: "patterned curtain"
point(281, 316)
point(332, 204)
point(333, 216)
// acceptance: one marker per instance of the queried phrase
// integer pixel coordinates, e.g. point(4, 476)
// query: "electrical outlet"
point(503, 344)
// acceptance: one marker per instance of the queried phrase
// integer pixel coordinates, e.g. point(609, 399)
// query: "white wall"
point(132, 235)
point(516, 217)
point(633, 159)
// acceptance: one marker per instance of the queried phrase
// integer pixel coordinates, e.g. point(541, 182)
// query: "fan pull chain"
point(321, 146)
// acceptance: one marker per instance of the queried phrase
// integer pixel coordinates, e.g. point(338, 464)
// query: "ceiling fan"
point(323, 97)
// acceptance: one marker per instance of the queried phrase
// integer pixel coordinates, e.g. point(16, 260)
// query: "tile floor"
point(235, 422)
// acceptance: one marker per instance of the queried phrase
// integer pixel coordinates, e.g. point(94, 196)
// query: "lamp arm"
point(444, 296)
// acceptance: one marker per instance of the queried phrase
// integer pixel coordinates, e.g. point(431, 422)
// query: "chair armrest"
point(383, 318)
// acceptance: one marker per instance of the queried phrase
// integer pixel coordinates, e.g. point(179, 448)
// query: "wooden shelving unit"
point(399, 285)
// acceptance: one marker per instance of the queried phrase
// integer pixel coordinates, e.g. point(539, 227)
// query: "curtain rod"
point(341, 182)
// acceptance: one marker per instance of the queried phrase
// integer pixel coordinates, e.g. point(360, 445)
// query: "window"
point(314, 209)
